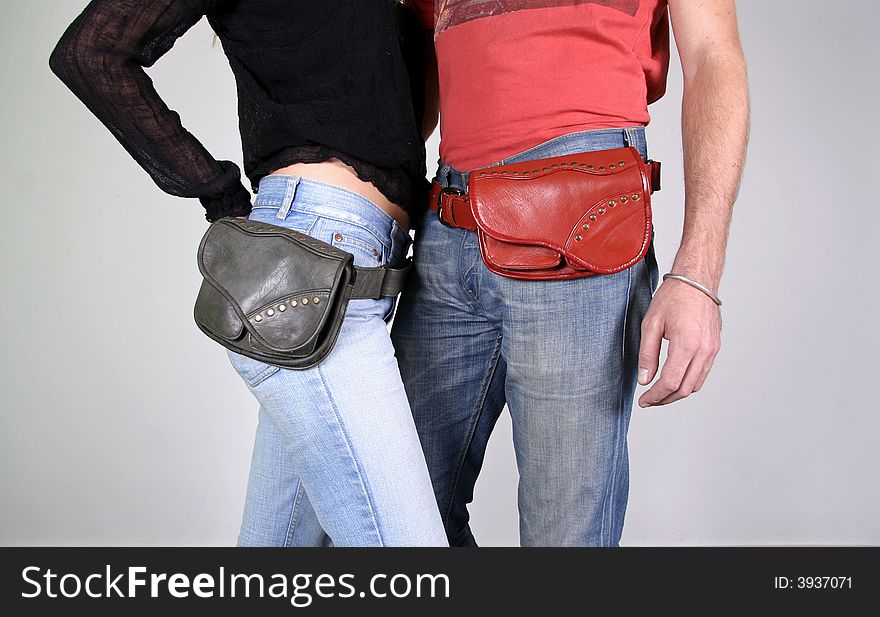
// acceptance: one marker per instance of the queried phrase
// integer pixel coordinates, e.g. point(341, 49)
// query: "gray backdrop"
point(123, 424)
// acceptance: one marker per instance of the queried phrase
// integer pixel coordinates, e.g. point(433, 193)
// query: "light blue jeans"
point(336, 457)
point(561, 354)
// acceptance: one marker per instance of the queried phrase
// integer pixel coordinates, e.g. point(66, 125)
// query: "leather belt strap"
point(453, 206)
point(374, 283)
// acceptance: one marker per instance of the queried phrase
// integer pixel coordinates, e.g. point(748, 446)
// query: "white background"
point(123, 424)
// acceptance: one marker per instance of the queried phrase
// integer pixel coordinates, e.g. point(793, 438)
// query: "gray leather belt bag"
point(277, 295)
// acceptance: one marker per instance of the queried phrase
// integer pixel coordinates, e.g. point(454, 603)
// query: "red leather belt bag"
point(557, 218)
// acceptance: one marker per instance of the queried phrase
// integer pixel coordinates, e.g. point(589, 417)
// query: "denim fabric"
point(336, 450)
point(561, 354)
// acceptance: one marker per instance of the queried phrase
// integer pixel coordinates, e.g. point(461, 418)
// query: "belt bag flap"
point(247, 282)
point(564, 216)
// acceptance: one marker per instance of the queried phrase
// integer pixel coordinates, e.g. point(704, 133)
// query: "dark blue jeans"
point(562, 355)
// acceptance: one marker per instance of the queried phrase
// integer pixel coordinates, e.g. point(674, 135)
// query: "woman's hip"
point(333, 215)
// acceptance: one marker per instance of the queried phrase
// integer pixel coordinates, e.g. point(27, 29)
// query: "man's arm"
point(715, 122)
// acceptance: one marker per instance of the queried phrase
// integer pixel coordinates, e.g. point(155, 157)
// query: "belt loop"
point(289, 194)
point(635, 136)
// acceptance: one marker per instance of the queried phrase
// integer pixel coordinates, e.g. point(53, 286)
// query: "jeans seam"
point(263, 375)
point(357, 467)
point(259, 377)
point(462, 251)
point(608, 509)
point(281, 223)
point(288, 537)
point(475, 417)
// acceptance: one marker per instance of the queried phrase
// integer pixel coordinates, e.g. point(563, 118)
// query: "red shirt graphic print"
point(516, 73)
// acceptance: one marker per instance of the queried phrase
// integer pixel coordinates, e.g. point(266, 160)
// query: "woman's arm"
point(101, 58)
point(432, 88)
point(424, 12)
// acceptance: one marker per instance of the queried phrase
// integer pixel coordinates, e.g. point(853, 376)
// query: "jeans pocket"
point(368, 251)
point(253, 372)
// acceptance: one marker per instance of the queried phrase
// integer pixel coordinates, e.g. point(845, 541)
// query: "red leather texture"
point(563, 217)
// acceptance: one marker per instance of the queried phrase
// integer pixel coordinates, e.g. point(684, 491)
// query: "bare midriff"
point(339, 174)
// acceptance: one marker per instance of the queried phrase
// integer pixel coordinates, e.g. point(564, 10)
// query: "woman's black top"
point(316, 79)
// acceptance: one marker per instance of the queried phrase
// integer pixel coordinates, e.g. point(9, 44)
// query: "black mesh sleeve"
point(101, 58)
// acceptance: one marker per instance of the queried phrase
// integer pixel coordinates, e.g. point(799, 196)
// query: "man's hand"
point(691, 322)
point(715, 121)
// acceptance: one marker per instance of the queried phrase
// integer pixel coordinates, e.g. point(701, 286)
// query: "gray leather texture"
point(277, 295)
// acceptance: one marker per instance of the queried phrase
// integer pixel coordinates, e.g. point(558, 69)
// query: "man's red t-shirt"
point(516, 73)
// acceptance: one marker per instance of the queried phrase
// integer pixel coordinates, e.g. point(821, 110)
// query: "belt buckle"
point(447, 190)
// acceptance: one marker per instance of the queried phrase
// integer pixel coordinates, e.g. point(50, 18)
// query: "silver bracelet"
point(693, 283)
